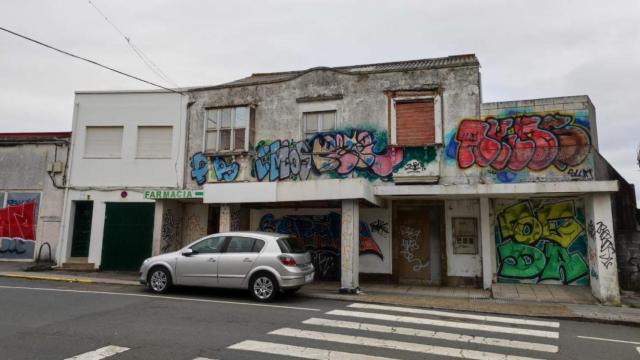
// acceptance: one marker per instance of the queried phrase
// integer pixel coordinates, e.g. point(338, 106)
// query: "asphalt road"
point(55, 320)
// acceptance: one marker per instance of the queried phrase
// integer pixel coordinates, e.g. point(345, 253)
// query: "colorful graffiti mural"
point(522, 141)
point(18, 226)
point(220, 170)
point(542, 241)
point(223, 171)
point(337, 153)
point(321, 235)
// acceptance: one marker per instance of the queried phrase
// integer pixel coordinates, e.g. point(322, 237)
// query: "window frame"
point(222, 248)
point(170, 153)
point(86, 131)
point(248, 129)
point(437, 116)
point(320, 128)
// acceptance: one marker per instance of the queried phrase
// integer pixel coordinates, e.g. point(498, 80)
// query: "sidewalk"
point(462, 299)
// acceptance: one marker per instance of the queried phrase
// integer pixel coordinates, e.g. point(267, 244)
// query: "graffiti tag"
point(224, 171)
point(582, 174)
point(199, 168)
point(534, 142)
point(379, 226)
point(409, 247)
point(607, 249)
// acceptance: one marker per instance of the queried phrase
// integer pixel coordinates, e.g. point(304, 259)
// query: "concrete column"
point(603, 266)
point(157, 227)
point(487, 241)
point(225, 217)
point(350, 247)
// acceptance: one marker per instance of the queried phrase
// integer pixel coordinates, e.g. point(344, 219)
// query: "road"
point(55, 320)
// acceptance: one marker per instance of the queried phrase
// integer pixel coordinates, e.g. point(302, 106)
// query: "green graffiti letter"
point(573, 265)
point(520, 261)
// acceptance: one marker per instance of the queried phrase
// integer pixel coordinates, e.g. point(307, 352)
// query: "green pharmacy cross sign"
point(173, 194)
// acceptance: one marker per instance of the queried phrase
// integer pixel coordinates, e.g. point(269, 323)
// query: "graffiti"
point(582, 174)
point(170, 232)
point(526, 262)
point(18, 226)
point(199, 168)
point(380, 226)
point(321, 235)
point(338, 153)
point(514, 143)
point(345, 153)
point(607, 249)
point(224, 171)
point(591, 229)
point(283, 160)
point(414, 166)
point(409, 244)
point(543, 242)
point(235, 219)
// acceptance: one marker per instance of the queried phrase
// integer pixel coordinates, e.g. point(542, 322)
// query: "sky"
point(527, 49)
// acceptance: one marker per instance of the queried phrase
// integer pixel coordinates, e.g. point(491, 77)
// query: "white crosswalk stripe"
point(347, 330)
point(524, 345)
point(444, 323)
point(301, 351)
point(395, 345)
point(101, 353)
point(498, 319)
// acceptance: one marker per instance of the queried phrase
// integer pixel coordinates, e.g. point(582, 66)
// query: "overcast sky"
point(527, 49)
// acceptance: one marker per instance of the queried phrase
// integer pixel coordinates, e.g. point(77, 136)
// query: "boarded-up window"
point(103, 142)
point(154, 141)
point(415, 123)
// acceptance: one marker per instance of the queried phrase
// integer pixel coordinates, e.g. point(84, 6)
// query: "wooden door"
point(412, 232)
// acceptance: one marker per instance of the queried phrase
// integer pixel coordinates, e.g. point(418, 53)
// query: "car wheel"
point(264, 287)
point(159, 280)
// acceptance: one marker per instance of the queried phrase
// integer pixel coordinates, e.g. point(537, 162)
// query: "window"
point(228, 129)
point(291, 246)
point(318, 121)
point(103, 142)
point(257, 247)
point(415, 122)
point(154, 141)
point(209, 245)
point(239, 244)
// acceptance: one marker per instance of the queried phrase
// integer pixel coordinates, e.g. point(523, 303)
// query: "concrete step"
point(78, 266)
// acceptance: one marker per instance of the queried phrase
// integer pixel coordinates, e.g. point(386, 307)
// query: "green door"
point(128, 234)
point(81, 229)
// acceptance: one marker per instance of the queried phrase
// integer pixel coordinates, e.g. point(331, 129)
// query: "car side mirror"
point(188, 252)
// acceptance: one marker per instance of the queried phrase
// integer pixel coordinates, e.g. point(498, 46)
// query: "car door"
point(237, 260)
point(200, 268)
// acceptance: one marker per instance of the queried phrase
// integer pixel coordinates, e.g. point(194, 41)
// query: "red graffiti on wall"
point(515, 143)
point(17, 221)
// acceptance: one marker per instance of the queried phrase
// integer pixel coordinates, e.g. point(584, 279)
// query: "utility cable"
point(145, 59)
point(88, 60)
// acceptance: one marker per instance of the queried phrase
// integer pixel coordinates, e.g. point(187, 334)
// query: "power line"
point(145, 59)
point(87, 60)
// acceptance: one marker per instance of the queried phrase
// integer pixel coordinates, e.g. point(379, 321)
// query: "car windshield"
point(291, 245)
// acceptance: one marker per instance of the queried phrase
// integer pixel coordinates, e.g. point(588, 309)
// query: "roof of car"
point(260, 234)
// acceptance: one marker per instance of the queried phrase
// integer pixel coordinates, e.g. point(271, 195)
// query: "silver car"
point(264, 263)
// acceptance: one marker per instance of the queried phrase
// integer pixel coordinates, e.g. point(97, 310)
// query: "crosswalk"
point(108, 352)
point(370, 331)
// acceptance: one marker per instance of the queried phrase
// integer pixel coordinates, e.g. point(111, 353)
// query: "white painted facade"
point(124, 178)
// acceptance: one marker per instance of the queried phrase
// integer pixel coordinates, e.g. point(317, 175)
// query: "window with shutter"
point(415, 122)
point(154, 142)
point(103, 142)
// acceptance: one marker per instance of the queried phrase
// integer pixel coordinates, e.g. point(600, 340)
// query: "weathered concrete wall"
point(27, 190)
point(363, 106)
point(628, 256)
point(550, 139)
point(194, 222)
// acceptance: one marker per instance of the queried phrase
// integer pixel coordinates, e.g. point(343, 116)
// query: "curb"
point(70, 279)
point(569, 317)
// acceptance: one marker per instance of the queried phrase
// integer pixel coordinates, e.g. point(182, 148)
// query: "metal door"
point(128, 233)
point(81, 229)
